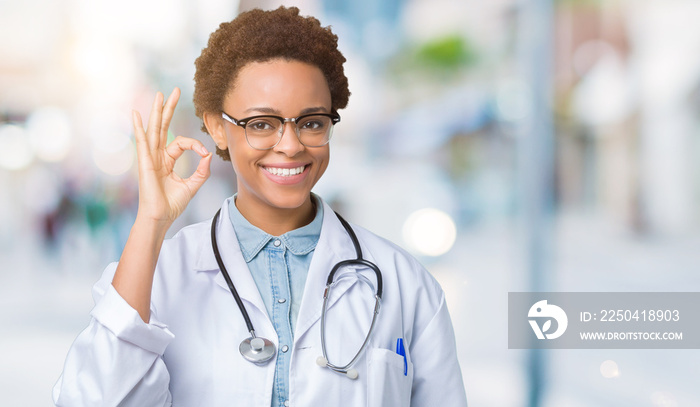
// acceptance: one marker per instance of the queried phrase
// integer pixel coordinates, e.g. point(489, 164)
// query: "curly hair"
point(259, 36)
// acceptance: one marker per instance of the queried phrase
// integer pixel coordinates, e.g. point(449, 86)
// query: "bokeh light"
point(15, 150)
point(116, 162)
point(430, 232)
point(50, 133)
point(609, 369)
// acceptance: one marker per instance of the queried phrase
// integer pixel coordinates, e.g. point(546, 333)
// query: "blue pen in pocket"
point(400, 350)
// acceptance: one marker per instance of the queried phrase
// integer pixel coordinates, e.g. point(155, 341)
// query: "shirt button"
point(286, 403)
point(285, 348)
point(277, 243)
point(282, 300)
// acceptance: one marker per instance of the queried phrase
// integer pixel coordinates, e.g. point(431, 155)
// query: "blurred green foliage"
point(446, 53)
point(439, 57)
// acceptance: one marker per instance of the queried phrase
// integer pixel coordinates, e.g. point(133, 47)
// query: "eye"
point(262, 125)
point(314, 123)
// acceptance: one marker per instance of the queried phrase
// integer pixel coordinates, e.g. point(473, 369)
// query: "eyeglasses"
point(265, 132)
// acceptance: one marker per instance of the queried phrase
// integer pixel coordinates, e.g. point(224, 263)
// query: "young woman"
point(232, 311)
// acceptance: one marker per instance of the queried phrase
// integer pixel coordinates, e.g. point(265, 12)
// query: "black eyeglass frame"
point(335, 118)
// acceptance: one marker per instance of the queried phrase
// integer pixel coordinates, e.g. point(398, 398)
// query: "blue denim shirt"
point(279, 266)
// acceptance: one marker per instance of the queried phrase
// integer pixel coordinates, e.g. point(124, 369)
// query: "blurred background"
point(510, 145)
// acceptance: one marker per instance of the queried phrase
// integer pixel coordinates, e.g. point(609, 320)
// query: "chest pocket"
point(386, 384)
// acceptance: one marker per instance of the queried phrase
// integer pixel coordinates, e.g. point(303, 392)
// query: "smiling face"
point(275, 182)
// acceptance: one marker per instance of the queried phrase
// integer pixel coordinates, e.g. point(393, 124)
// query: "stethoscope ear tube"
point(358, 261)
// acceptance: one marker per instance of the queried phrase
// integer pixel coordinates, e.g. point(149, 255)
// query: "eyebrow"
point(269, 110)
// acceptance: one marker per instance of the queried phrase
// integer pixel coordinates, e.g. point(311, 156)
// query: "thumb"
point(201, 174)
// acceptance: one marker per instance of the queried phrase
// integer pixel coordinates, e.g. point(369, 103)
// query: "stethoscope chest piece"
point(257, 350)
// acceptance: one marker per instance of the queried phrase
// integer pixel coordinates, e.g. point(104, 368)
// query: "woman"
point(166, 329)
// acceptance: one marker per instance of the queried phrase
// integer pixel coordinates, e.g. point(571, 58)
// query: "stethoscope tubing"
point(344, 369)
point(326, 294)
point(222, 267)
point(259, 358)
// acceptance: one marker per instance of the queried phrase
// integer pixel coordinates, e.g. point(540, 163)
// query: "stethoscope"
point(259, 350)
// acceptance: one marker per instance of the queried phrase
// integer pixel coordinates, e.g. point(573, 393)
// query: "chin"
point(289, 202)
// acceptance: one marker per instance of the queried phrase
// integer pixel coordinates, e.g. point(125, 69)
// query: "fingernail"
point(203, 150)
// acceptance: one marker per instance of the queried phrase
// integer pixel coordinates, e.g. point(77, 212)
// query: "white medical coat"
point(187, 355)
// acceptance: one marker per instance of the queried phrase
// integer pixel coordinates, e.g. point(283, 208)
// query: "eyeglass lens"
point(265, 132)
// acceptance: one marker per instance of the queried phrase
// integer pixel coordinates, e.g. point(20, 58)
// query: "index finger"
point(168, 110)
point(143, 150)
point(154, 121)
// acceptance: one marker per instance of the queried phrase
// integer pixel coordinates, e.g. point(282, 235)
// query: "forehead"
point(280, 84)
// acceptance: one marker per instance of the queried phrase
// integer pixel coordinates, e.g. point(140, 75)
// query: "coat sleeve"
point(117, 359)
point(437, 377)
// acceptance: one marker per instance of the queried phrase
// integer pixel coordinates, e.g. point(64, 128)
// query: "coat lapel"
point(233, 260)
point(334, 245)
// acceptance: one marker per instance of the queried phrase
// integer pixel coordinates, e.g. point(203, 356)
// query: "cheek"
point(324, 159)
point(238, 159)
point(244, 159)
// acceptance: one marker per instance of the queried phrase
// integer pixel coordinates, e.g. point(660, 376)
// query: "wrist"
point(151, 224)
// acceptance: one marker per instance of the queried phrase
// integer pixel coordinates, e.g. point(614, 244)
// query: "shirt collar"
point(252, 239)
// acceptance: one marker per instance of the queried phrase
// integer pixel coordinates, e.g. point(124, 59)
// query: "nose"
point(289, 143)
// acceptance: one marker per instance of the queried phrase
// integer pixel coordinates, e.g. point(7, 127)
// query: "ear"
point(215, 126)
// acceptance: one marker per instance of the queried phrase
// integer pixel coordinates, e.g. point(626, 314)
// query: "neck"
point(276, 221)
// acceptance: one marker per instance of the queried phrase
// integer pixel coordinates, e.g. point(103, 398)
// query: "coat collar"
point(252, 239)
point(206, 261)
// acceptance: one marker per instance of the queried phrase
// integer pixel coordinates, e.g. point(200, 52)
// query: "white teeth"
point(285, 172)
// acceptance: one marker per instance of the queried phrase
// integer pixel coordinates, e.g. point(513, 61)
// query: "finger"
point(180, 144)
point(153, 131)
point(142, 149)
point(201, 174)
point(168, 115)
point(139, 134)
